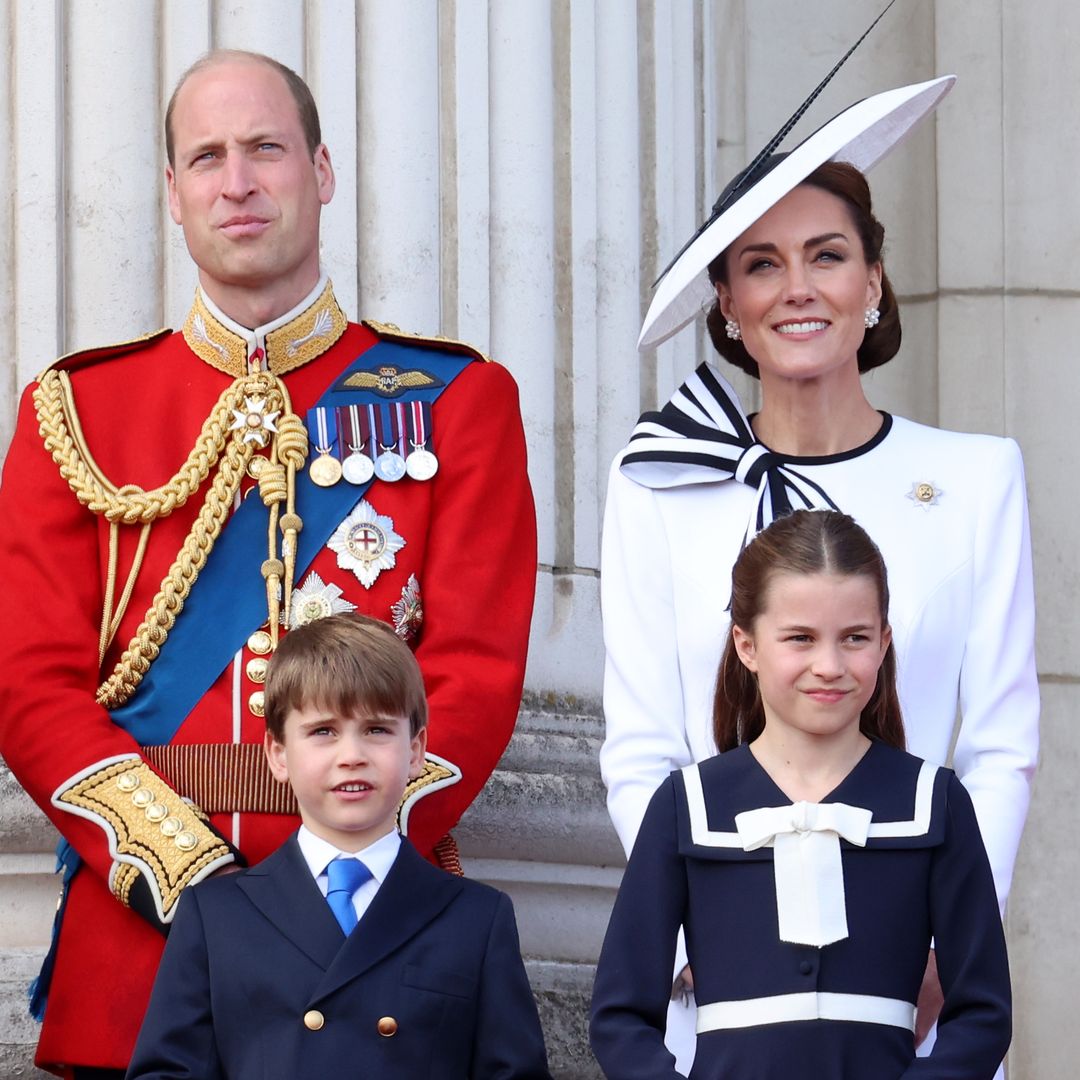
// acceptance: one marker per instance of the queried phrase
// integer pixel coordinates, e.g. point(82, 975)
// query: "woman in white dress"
point(794, 262)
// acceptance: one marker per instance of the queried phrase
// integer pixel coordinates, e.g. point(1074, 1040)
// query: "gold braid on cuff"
point(153, 832)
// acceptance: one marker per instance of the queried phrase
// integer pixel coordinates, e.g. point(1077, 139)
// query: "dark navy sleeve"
point(634, 974)
point(975, 1026)
point(508, 1043)
point(177, 1040)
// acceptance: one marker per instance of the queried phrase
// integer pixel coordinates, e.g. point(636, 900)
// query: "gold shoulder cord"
point(392, 330)
point(131, 505)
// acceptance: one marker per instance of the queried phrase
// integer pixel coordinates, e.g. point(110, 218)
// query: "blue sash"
point(228, 599)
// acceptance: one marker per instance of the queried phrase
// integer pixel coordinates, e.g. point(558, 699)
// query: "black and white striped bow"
point(702, 435)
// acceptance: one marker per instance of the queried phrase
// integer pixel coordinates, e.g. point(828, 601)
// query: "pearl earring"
point(733, 331)
point(871, 318)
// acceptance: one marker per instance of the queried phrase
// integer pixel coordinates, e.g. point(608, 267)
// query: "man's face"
point(246, 190)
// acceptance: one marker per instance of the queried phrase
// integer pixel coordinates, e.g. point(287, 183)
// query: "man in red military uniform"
point(173, 505)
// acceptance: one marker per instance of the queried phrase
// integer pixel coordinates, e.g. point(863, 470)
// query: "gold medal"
point(325, 469)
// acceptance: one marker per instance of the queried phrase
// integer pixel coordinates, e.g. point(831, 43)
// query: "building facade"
point(516, 173)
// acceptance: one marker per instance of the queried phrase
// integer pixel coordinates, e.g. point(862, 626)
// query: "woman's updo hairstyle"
point(880, 344)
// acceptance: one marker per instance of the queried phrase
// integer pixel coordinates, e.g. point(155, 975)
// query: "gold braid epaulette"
point(60, 429)
point(438, 341)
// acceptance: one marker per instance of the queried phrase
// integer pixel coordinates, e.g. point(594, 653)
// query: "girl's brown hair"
point(805, 542)
point(880, 344)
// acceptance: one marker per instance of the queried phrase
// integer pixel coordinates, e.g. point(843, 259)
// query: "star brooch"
point(924, 494)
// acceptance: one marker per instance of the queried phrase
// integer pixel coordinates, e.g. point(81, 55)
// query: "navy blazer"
point(258, 983)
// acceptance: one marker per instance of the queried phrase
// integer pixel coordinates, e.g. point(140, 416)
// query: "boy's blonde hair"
point(349, 664)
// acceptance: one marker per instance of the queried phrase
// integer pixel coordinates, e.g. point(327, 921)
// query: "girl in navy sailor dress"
point(813, 862)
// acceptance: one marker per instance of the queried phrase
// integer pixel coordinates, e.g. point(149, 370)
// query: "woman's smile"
point(798, 286)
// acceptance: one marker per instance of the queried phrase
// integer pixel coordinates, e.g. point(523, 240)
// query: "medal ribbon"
point(348, 422)
point(323, 422)
point(370, 429)
point(419, 421)
point(386, 428)
point(399, 424)
point(228, 600)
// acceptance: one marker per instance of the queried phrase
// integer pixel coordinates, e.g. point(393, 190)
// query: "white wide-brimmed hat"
point(861, 135)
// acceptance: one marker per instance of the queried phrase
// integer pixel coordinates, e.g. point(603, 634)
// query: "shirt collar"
point(287, 342)
point(377, 857)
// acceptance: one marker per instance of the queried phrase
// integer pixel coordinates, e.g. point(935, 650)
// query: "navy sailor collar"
point(905, 795)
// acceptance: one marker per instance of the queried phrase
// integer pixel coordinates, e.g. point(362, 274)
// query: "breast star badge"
point(408, 612)
point(316, 599)
point(366, 544)
point(924, 494)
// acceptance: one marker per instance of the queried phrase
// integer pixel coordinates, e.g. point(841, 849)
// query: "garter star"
point(366, 544)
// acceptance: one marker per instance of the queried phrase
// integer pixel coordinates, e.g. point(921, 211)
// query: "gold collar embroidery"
point(308, 335)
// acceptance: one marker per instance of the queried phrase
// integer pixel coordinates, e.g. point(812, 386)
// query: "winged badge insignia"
point(390, 381)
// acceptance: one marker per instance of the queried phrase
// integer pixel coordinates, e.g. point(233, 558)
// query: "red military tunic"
point(470, 543)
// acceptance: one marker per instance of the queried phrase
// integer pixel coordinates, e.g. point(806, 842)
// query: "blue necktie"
point(344, 877)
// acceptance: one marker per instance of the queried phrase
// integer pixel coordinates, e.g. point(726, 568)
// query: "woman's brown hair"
point(880, 344)
point(805, 542)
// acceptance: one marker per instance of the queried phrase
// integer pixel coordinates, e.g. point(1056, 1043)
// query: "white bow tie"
point(810, 902)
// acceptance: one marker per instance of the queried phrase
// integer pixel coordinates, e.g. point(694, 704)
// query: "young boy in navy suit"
point(402, 971)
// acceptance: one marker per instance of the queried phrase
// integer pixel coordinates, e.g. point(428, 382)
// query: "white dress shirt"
point(377, 857)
